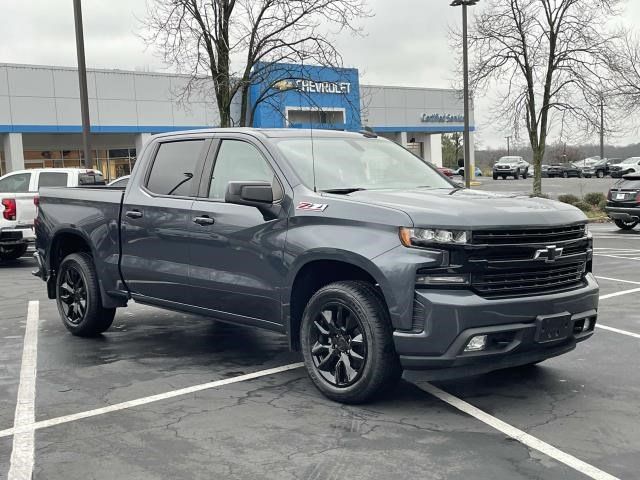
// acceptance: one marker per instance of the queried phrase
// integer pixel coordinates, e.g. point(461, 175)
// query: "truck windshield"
point(349, 164)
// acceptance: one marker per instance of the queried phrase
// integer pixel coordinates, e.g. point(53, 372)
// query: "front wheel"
point(495, 176)
point(78, 297)
point(525, 174)
point(12, 252)
point(565, 174)
point(347, 342)
point(600, 174)
point(626, 225)
point(516, 176)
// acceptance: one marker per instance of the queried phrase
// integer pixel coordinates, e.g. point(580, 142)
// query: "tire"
point(77, 283)
point(495, 176)
point(348, 322)
point(12, 252)
point(565, 174)
point(600, 174)
point(622, 225)
point(525, 174)
point(504, 177)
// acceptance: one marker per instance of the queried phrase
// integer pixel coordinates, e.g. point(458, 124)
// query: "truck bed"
point(92, 213)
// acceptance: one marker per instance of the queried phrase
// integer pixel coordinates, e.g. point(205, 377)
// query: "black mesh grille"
point(533, 235)
point(539, 280)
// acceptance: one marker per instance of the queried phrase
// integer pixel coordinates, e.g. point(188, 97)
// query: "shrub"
point(584, 206)
point(595, 198)
point(602, 204)
point(568, 198)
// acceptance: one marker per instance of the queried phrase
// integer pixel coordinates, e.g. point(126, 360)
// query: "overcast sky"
point(406, 42)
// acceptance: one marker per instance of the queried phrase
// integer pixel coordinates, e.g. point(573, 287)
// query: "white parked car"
point(18, 194)
point(120, 182)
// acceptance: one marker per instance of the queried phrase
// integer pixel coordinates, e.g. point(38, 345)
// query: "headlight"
point(423, 237)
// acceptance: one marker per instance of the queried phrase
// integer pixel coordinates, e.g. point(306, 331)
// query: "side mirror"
point(254, 194)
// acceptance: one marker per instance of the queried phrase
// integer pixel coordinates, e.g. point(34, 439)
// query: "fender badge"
point(312, 207)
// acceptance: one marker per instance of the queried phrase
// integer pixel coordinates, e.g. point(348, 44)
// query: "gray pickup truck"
point(367, 258)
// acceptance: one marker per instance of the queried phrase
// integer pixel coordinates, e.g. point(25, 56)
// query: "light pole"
point(508, 145)
point(468, 173)
point(82, 78)
point(601, 126)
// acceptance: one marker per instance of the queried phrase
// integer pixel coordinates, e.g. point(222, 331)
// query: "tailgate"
point(25, 209)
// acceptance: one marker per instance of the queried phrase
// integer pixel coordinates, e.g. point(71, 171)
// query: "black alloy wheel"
point(339, 347)
point(79, 298)
point(73, 295)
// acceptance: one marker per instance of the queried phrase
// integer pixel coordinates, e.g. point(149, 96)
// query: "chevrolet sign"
point(310, 86)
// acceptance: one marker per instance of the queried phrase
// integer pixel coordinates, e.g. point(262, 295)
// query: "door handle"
point(204, 221)
point(134, 214)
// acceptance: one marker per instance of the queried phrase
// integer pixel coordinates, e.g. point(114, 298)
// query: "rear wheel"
point(565, 174)
point(600, 174)
point(626, 225)
point(504, 177)
point(78, 297)
point(525, 174)
point(347, 342)
point(12, 252)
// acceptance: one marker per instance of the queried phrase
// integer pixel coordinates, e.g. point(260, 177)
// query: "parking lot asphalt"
point(551, 186)
point(586, 403)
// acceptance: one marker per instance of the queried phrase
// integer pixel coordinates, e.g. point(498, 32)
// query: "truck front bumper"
point(516, 330)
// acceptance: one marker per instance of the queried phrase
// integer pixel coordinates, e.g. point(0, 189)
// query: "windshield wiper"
point(343, 191)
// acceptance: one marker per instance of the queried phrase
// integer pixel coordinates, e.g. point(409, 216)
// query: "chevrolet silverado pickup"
point(365, 256)
point(623, 202)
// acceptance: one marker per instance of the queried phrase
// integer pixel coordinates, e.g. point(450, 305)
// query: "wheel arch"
point(319, 269)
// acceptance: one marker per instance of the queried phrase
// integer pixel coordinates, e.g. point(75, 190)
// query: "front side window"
point(18, 183)
point(52, 179)
point(345, 163)
point(239, 161)
point(173, 171)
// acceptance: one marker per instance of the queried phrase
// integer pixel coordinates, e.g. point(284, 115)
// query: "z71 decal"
point(312, 207)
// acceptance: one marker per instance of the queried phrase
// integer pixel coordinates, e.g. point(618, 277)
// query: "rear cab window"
point(52, 179)
point(174, 168)
point(16, 183)
point(90, 178)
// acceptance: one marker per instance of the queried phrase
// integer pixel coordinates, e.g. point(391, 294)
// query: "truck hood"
point(472, 208)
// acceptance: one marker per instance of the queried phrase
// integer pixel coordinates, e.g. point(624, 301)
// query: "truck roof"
point(272, 132)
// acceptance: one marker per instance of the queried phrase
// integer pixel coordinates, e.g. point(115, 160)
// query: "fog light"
point(587, 325)
point(476, 344)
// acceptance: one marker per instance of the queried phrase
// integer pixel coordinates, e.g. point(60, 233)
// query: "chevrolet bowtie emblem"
point(549, 254)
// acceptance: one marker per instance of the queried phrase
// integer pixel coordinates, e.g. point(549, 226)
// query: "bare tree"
point(625, 78)
point(231, 43)
point(548, 60)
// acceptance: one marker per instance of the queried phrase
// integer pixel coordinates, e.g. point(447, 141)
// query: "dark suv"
point(623, 202)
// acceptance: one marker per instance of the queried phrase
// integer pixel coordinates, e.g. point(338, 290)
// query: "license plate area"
point(552, 328)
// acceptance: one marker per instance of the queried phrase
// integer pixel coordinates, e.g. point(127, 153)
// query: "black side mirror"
point(255, 194)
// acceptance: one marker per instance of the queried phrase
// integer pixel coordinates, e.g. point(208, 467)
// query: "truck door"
point(237, 254)
point(156, 216)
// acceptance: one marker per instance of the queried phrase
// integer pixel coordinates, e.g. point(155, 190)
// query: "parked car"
point(630, 165)
point(360, 252)
point(511, 167)
point(460, 171)
point(587, 162)
point(18, 194)
point(120, 182)
point(623, 202)
point(600, 169)
point(564, 170)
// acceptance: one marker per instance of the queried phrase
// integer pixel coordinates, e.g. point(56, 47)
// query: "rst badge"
point(312, 207)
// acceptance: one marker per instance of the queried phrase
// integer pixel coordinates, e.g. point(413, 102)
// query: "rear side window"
point(173, 171)
point(91, 178)
point(18, 183)
point(52, 179)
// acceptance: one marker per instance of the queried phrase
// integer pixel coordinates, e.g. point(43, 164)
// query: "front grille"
point(530, 281)
point(532, 235)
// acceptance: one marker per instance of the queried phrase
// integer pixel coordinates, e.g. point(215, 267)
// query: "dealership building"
point(40, 121)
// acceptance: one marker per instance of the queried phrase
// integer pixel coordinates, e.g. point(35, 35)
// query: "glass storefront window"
point(3, 168)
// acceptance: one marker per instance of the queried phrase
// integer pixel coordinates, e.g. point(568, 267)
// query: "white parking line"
point(617, 330)
point(617, 280)
point(517, 434)
point(22, 453)
point(31, 427)
point(618, 294)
